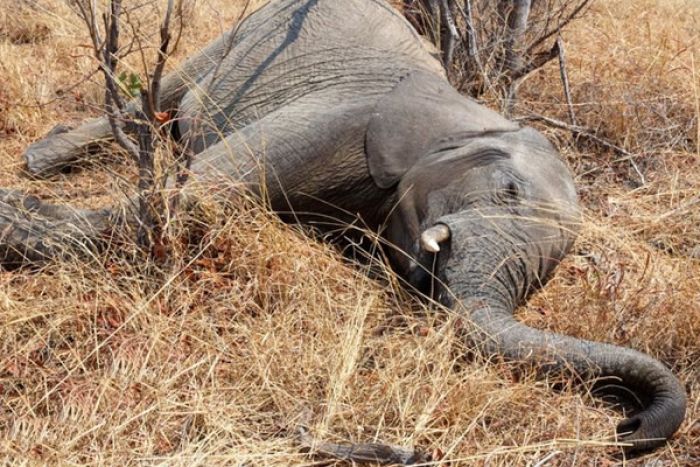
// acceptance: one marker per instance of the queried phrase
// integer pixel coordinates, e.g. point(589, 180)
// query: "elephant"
point(339, 108)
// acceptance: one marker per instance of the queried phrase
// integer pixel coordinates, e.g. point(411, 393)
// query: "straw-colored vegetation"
point(213, 356)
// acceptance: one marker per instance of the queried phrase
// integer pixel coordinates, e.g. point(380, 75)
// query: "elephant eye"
point(510, 193)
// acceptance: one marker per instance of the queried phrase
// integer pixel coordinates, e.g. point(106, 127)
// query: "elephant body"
point(334, 73)
point(339, 109)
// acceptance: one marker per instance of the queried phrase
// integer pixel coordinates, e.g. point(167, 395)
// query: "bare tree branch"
point(472, 45)
point(229, 45)
point(142, 122)
point(147, 216)
point(114, 104)
point(110, 53)
point(537, 62)
point(492, 44)
point(575, 13)
point(565, 81)
point(153, 94)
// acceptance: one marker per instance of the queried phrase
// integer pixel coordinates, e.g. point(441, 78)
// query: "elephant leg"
point(60, 148)
point(243, 162)
point(297, 157)
point(302, 148)
point(34, 232)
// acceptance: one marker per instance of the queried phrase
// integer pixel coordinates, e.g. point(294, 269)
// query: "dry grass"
point(212, 359)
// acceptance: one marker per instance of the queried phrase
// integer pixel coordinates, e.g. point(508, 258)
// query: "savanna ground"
point(213, 357)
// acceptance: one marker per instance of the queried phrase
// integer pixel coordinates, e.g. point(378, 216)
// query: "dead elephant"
point(337, 106)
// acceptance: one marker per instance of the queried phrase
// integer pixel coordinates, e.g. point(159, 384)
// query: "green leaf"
point(130, 83)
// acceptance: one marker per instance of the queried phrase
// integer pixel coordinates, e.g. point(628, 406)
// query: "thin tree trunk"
point(448, 31)
point(516, 13)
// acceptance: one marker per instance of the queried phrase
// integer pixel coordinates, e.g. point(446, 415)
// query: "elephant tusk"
point(430, 239)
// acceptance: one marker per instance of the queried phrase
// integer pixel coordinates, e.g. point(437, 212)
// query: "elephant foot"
point(35, 232)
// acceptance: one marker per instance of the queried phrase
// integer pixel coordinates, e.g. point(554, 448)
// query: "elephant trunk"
point(490, 293)
point(498, 333)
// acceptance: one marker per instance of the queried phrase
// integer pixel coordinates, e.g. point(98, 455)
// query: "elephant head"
point(489, 209)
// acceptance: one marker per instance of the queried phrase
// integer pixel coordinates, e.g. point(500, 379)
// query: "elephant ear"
point(420, 112)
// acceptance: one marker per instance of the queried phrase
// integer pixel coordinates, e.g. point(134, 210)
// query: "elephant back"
point(289, 49)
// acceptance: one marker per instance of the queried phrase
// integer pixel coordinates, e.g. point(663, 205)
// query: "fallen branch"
point(357, 453)
point(362, 452)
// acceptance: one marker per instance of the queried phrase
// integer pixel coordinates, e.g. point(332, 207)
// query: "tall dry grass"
point(212, 357)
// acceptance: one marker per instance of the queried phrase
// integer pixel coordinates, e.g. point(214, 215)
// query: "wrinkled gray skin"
point(339, 104)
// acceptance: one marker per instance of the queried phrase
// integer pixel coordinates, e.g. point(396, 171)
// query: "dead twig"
point(565, 81)
point(361, 452)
